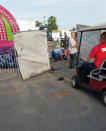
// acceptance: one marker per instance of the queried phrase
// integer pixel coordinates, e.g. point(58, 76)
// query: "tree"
point(39, 24)
point(73, 29)
point(52, 23)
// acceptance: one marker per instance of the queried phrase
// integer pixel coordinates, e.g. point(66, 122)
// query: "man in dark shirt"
point(65, 42)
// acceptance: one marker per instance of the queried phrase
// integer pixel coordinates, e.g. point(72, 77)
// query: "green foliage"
point(73, 29)
point(39, 24)
point(52, 23)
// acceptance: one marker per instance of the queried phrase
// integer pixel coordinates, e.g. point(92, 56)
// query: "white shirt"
point(71, 43)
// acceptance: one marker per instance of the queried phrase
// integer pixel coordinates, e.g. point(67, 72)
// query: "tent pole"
point(79, 48)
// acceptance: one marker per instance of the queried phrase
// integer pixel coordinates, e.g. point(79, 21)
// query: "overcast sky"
point(68, 12)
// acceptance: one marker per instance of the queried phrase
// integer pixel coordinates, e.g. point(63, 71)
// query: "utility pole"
point(44, 20)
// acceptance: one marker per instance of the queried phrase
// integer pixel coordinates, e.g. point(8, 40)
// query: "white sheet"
point(32, 51)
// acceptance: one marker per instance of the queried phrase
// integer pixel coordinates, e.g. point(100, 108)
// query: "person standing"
point(72, 46)
point(65, 43)
point(61, 39)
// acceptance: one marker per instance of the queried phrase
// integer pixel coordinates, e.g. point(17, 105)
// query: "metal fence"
point(9, 67)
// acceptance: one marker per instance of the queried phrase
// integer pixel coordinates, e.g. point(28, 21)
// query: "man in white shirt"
point(72, 46)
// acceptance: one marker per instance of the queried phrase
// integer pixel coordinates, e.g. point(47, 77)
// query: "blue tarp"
point(57, 53)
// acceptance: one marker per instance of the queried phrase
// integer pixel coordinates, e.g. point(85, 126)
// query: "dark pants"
point(85, 70)
point(73, 60)
point(65, 44)
point(62, 43)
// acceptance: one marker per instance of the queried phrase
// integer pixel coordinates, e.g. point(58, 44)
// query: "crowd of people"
point(69, 52)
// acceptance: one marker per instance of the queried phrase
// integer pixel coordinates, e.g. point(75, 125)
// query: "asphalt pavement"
point(43, 103)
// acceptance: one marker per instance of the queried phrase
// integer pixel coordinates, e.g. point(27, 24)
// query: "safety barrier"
point(9, 66)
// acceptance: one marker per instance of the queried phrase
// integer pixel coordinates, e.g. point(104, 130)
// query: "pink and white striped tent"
point(8, 26)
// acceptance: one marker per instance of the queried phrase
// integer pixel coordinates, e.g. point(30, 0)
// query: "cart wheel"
point(104, 98)
point(74, 82)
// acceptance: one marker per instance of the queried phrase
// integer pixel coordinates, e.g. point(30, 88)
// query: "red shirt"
point(98, 53)
point(67, 52)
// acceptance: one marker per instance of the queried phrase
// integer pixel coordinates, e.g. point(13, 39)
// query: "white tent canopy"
point(26, 25)
point(32, 52)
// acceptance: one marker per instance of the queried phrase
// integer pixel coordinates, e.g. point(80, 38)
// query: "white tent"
point(26, 25)
point(32, 52)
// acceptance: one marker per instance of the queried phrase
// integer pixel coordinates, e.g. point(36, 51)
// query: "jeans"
point(85, 70)
point(73, 60)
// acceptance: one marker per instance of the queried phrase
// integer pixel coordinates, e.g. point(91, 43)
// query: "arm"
point(76, 45)
point(92, 54)
point(89, 59)
point(73, 43)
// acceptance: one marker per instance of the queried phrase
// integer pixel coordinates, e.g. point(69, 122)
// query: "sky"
point(68, 12)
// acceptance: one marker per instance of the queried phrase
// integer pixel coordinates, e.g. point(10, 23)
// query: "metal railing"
point(9, 67)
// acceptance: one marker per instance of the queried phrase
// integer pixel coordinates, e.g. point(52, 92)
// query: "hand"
point(89, 59)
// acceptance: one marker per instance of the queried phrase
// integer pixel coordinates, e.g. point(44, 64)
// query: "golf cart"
point(89, 37)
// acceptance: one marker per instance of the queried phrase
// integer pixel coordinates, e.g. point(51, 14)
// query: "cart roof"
point(98, 27)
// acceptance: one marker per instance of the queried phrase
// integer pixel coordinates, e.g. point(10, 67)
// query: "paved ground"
point(44, 104)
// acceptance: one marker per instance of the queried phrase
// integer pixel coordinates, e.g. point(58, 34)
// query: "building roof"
point(92, 28)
